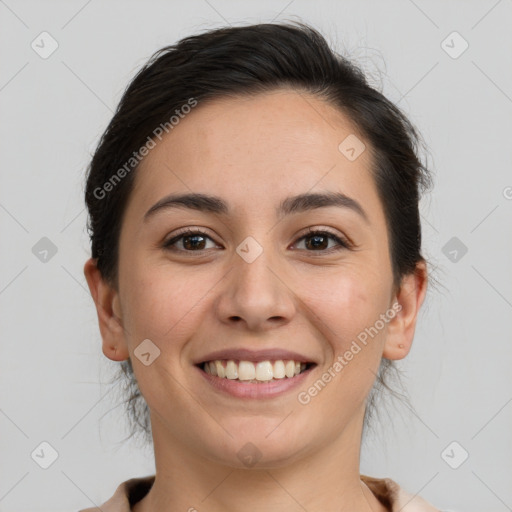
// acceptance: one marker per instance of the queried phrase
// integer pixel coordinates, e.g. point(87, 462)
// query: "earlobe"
point(400, 332)
point(113, 354)
point(106, 301)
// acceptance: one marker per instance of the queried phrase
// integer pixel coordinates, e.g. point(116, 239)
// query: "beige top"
point(387, 491)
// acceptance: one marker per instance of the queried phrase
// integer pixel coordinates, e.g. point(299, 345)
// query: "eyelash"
point(343, 243)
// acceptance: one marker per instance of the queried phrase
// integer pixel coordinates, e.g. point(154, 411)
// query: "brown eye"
point(191, 241)
point(318, 241)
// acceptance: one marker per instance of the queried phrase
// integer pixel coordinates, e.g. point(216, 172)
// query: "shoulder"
point(396, 498)
point(127, 493)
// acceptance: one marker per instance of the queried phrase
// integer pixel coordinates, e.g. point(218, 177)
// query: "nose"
point(256, 295)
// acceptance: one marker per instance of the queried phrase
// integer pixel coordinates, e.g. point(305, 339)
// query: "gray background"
point(53, 376)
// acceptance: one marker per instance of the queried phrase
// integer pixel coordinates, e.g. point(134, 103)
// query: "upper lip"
point(245, 354)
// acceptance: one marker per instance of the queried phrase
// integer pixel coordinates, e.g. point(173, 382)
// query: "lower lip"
point(268, 389)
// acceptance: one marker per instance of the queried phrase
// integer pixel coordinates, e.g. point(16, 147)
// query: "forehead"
point(254, 148)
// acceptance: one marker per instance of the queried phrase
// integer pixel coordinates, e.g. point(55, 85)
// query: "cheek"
point(160, 305)
point(347, 305)
point(347, 313)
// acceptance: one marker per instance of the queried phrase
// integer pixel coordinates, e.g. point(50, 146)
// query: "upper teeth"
point(247, 370)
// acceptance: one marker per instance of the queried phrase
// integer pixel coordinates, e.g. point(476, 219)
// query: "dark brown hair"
point(248, 60)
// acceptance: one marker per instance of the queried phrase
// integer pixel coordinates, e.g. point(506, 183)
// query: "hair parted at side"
point(247, 60)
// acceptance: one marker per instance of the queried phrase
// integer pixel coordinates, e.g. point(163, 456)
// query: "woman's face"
point(251, 281)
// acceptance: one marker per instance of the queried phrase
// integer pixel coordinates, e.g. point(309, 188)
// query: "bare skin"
point(253, 153)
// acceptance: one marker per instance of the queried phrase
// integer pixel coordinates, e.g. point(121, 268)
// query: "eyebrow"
point(290, 205)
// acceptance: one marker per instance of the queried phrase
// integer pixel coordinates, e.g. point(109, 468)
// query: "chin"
point(261, 443)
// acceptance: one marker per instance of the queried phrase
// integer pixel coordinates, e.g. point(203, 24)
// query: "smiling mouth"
point(254, 372)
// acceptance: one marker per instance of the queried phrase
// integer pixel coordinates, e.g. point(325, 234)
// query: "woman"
point(256, 262)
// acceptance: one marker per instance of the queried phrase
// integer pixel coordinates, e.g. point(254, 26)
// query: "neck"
point(327, 480)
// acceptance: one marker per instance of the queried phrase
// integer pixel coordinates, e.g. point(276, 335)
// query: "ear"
point(408, 301)
point(108, 309)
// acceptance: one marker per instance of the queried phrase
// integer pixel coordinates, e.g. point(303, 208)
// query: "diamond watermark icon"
point(249, 455)
point(147, 352)
point(249, 249)
point(454, 45)
point(44, 455)
point(44, 250)
point(454, 455)
point(351, 147)
point(454, 249)
point(44, 45)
